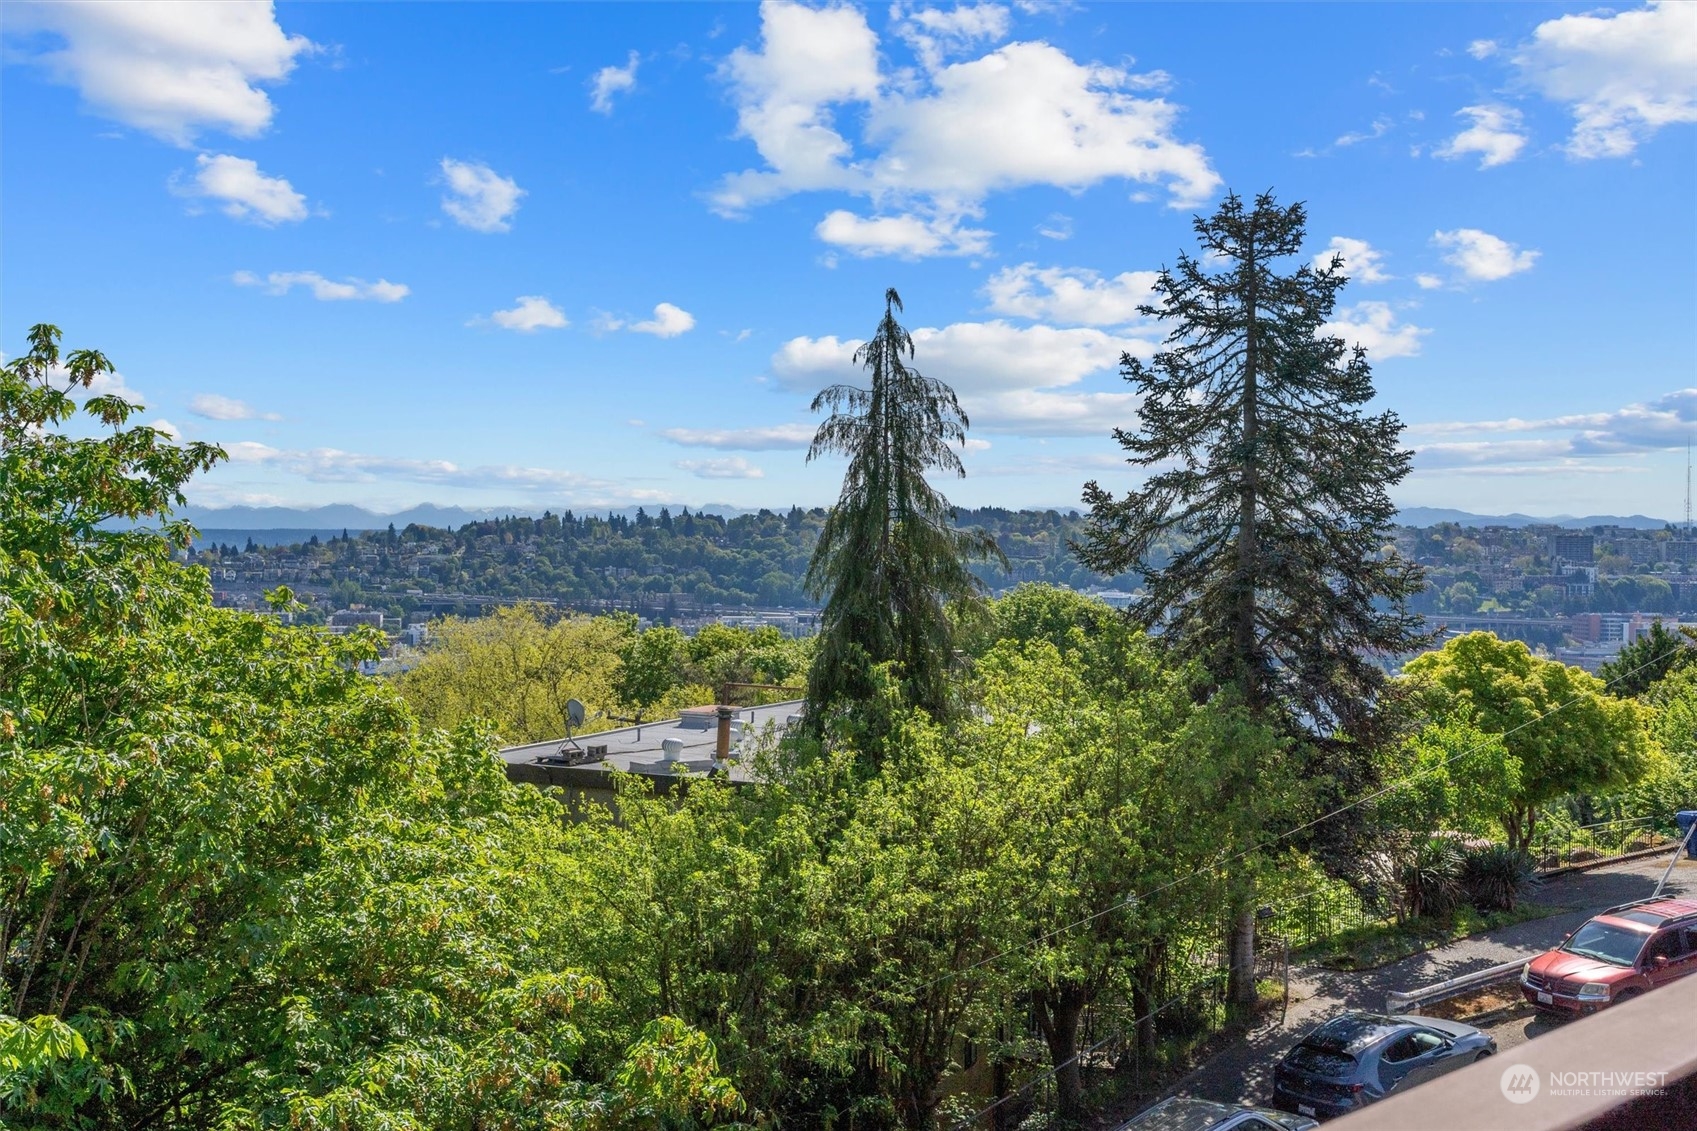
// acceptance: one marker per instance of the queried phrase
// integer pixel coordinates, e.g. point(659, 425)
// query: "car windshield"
point(1615, 945)
point(1325, 1063)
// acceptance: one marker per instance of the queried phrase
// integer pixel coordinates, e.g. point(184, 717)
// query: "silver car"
point(1183, 1114)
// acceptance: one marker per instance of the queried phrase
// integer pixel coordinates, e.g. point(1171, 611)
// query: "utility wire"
point(1287, 834)
point(1217, 865)
point(982, 1112)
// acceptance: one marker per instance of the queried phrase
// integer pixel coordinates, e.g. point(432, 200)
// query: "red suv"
point(1614, 956)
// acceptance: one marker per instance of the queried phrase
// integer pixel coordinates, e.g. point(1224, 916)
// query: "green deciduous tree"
point(1127, 791)
point(517, 667)
point(1557, 722)
point(1270, 480)
point(239, 886)
point(889, 560)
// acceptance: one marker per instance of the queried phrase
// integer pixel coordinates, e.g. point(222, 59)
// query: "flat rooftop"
point(639, 748)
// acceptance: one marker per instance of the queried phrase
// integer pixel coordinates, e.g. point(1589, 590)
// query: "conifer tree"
point(1260, 532)
point(889, 560)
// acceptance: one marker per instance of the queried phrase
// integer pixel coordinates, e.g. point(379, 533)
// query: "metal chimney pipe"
point(723, 753)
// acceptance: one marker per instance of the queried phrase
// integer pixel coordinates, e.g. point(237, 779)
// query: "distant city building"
point(1573, 547)
point(347, 618)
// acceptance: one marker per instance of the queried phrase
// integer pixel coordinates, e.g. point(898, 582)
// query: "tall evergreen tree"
point(1260, 533)
point(889, 560)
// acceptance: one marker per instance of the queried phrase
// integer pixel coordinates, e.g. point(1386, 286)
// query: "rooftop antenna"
point(1688, 486)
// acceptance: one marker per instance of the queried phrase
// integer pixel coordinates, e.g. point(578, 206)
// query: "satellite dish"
point(574, 719)
point(673, 749)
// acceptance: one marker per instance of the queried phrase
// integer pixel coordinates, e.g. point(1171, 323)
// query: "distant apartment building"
point(1581, 548)
point(348, 618)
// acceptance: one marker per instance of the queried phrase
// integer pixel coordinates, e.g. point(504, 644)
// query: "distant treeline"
point(666, 564)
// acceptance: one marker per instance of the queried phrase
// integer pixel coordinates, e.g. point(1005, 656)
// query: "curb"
point(1591, 865)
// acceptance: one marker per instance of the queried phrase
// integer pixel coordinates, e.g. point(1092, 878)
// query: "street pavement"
point(1243, 1073)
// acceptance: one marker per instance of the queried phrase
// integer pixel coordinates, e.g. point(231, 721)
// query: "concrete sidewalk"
point(1243, 1073)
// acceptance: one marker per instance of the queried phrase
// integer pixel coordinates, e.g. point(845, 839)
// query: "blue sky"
point(596, 255)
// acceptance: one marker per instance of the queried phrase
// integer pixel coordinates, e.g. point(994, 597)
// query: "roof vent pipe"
point(722, 751)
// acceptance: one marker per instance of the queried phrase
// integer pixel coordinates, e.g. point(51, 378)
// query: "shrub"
point(1431, 879)
point(1494, 877)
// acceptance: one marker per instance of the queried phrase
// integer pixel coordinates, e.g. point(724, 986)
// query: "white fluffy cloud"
point(730, 467)
point(1074, 296)
point(1495, 135)
point(1374, 326)
point(104, 385)
point(478, 197)
point(213, 406)
point(668, 322)
point(933, 148)
point(774, 438)
point(246, 193)
point(1362, 262)
point(1624, 75)
point(1481, 256)
point(935, 33)
point(1482, 48)
point(324, 290)
point(533, 312)
point(172, 69)
point(907, 236)
point(1009, 378)
point(609, 81)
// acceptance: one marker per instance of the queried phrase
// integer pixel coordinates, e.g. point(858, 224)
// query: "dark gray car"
point(1182, 1113)
point(1357, 1058)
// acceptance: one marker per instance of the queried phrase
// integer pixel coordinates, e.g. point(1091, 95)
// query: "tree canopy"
point(1640, 665)
point(241, 887)
point(1271, 476)
point(1565, 732)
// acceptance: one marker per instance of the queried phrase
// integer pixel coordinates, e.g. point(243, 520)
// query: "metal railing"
point(1413, 1000)
point(1553, 849)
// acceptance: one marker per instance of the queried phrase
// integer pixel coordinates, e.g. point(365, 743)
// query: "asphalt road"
point(1243, 1072)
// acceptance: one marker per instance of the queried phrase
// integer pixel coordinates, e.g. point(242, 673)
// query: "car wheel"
point(1482, 1054)
point(1625, 995)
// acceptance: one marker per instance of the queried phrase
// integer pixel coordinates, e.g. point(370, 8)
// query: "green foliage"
point(517, 668)
point(1265, 463)
point(1430, 880)
point(1450, 775)
point(241, 887)
point(836, 930)
point(1651, 658)
point(889, 561)
point(651, 666)
point(1494, 877)
point(1567, 735)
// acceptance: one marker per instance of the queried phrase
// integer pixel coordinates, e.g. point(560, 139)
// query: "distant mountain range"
point(304, 521)
point(1431, 516)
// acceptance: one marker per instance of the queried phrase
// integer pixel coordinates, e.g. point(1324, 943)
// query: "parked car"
point(1182, 1113)
point(1615, 956)
point(1358, 1058)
